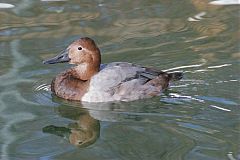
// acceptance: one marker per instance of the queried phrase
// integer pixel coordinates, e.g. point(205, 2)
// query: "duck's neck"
point(85, 71)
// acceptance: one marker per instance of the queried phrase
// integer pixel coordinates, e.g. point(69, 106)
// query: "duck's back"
point(114, 74)
point(121, 81)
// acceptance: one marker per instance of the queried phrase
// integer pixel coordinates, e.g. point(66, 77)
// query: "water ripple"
point(42, 93)
point(6, 5)
point(225, 2)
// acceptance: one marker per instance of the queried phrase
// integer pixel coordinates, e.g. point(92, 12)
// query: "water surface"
point(196, 119)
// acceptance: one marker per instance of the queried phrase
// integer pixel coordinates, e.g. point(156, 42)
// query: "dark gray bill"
point(61, 58)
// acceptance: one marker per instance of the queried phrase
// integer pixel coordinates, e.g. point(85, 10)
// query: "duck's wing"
point(150, 73)
point(116, 73)
point(133, 71)
point(113, 74)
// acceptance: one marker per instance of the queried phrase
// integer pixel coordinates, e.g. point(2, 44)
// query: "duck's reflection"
point(82, 133)
point(85, 129)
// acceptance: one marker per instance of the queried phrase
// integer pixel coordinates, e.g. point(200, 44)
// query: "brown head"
point(82, 52)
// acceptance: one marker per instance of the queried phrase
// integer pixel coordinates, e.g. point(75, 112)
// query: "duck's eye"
point(79, 48)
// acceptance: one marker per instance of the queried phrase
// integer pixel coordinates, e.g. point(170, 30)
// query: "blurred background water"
point(196, 119)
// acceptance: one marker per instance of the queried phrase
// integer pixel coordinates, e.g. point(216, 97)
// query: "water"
point(196, 119)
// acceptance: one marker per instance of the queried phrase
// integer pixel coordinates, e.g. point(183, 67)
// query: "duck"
point(90, 81)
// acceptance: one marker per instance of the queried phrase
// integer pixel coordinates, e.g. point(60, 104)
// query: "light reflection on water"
point(197, 118)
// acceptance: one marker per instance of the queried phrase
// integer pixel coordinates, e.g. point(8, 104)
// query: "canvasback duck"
point(90, 81)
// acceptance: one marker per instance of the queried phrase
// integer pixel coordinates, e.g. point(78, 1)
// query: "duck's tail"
point(161, 82)
point(175, 76)
point(163, 79)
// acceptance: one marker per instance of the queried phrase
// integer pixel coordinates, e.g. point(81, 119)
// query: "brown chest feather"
point(68, 87)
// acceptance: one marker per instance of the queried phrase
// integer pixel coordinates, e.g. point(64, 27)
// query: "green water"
point(196, 119)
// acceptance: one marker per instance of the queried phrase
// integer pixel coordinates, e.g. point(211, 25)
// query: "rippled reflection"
point(82, 133)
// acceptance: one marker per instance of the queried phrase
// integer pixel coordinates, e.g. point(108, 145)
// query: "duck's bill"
point(61, 58)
